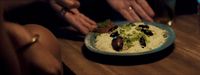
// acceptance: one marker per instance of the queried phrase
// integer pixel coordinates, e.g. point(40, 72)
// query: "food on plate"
point(105, 26)
point(129, 37)
point(117, 43)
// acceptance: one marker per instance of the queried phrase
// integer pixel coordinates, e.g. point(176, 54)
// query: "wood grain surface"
point(181, 58)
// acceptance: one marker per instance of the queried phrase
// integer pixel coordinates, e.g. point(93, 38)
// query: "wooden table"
point(181, 58)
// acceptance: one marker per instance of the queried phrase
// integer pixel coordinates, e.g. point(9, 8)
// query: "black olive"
point(117, 43)
point(144, 26)
point(113, 28)
point(114, 34)
point(147, 32)
point(142, 42)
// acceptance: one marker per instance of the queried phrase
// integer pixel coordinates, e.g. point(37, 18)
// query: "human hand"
point(68, 3)
point(74, 17)
point(33, 55)
point(18, 34)
point(132, 10)
point(80, 21)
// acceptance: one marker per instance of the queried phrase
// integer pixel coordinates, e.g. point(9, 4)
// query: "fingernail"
point(151, 20)
point(94, 26)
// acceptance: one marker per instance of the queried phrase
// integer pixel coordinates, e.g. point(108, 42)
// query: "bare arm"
point(9, 64)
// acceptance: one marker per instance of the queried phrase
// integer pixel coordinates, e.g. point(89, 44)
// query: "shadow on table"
point(69, 34)
point(67, 71)
point(127, 60)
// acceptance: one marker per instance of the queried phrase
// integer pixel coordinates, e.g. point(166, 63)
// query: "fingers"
point(127, 15)
point(18, 34)
point(71, 18)
point(75, 18)
point(79, 21)
point(85, 21)
point(133, 10)
point(69, 3)
point(133, 13)
point(139, 10)
point(93, 23)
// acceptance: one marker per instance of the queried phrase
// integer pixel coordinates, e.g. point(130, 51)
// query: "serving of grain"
point(103, 41)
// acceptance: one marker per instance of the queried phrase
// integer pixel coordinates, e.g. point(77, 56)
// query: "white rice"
point(103, 41)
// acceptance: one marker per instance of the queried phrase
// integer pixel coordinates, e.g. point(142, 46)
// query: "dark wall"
point(182, 7)
point(186, 7)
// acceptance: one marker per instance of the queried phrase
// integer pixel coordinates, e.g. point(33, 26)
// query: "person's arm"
point(17, 44)
point(9, 63)
point(35, 45)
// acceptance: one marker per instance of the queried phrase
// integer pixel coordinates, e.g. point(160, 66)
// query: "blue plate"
point(90, 41)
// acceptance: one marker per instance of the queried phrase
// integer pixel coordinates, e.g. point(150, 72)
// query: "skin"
point(74, 17)
point(42, 56)
point(49, 50)
point(139, 10)
point(8, 58)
